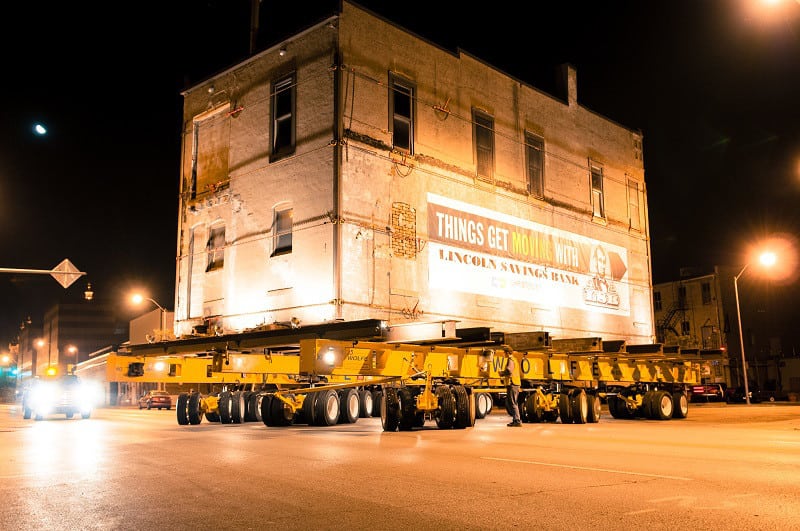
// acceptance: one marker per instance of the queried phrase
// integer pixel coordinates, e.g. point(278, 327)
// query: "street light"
point(137, 298)
point(73, 352)
point(767, 259)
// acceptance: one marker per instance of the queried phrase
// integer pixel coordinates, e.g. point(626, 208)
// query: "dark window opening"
point(598, 209)
point(283, 232)
point(402, 115)
point(534, 155)
point(706, 288)
point(282, 103)
point(215, 248)
point(484, 143)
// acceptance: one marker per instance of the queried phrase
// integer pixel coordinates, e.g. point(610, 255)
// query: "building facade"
point(699, 311)
point(71, 332)
point(691, 313)
point(358, 171)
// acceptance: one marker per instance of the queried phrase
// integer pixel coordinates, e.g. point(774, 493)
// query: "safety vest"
point(513, 367)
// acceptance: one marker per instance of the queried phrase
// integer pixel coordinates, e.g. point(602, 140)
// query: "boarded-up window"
point(211, 147)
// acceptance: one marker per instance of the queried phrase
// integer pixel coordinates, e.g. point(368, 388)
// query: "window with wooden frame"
point(598, 209)
point(634, 213)
point(534, 162)
point(282, 225)
point(401, 110)
point(282, 107)
point(215, 248)
point(705, 288)
point(483, 132)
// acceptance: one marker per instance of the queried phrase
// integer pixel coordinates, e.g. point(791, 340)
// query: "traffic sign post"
point(65, 273)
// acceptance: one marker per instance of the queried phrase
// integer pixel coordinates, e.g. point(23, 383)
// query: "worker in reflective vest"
point(513, 382)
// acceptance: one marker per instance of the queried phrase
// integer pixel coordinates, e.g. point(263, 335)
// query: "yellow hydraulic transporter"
point(328, 376)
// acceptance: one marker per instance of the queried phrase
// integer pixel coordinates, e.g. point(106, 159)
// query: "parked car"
point(155, 399)
point(708, 393)
point(736, 395)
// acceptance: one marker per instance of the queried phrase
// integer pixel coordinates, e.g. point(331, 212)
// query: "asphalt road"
point(723, 467)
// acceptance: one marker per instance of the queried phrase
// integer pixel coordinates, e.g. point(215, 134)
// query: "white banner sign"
point(477, 250)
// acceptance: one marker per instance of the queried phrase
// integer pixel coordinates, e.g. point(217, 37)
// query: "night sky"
point(712, 84)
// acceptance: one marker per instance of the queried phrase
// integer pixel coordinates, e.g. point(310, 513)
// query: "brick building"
point(699, 311)
point(356, 171)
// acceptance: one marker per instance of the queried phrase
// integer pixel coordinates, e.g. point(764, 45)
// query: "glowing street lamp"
point(138, 298)
point(767, 259)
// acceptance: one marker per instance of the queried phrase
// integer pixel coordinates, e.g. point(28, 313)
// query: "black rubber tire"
point(533, 408)
point(446, 413)
point(595, 409)
point(193, 409)
point(663, 406)
point(266, 409)
point(86, 415)
point(309, 408)
point(612, 406)
point(280, 413)
point(249, 414)
point(647, 405)
point(377, 398)
point(350, 405)
point(564, 409)
point(366, 407)
point(225, 406)
point(481, 405)
point(472, 408)
point(212, 416)
point(69, 414)
point(239, 409)
point(180, 409)
point(255, 406)
point(618, 407)
point(579, 406)
point(26, 413)
point(390, 409)
point(680, 404)
point(464, 414)
point(326, 412)
point(408, 409)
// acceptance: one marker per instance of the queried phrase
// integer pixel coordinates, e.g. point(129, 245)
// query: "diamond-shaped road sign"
point(66, 273)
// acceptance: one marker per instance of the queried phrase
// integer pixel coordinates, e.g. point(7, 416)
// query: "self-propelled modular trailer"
point(325, 376)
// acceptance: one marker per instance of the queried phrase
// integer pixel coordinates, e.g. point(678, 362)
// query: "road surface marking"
point(679, 478)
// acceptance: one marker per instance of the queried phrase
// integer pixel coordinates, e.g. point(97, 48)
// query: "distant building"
point(71, 331)
point(699, 311)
